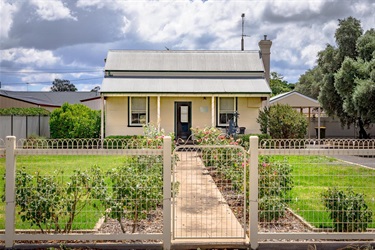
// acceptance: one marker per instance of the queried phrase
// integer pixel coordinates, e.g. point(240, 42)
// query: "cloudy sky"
point(41, 40)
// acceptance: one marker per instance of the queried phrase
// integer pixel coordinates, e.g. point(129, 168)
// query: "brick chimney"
point(265, 52)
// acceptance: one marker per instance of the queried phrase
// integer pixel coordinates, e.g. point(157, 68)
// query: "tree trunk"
point(362, 132)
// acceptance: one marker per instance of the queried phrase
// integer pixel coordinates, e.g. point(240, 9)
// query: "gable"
point(294, 99)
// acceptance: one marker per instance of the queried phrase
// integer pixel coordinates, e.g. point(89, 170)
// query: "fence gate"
point(209, 192)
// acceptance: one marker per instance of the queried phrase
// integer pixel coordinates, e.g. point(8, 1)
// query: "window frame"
point(130, 123)
point(235, 103)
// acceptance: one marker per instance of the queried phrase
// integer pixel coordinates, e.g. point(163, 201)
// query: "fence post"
point(167, 215)
point(10, 185)
point(253, 185)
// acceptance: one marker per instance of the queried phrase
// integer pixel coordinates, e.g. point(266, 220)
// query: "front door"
point(182, 120)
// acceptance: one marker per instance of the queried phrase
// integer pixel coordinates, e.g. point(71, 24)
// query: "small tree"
point(282, 122)
point(75, 121)
point(59, 85)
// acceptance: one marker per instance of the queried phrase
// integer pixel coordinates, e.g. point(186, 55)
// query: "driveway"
point(364, 161)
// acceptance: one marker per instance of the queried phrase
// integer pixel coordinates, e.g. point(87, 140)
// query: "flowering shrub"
point(275, 182)
point(208, 136)
point(51, 203)
point(274, 178)
point(213, 136)
point(154, 137)
point(136, 189)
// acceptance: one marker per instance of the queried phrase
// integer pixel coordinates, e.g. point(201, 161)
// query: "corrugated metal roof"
point(49, 98)
point(185, 85)
point(173, 60)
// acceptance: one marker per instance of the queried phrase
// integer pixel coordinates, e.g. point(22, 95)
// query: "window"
point(226, 108)
point(138, 111)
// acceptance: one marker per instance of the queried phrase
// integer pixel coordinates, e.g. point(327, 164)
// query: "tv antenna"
point(243, 35)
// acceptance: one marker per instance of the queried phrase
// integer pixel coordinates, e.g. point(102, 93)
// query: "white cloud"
point(37, 79)
point(126, 25)
point(7, 10)
point(183, 24)
point(309, 53)
point(29, 56)
point(46, 88)
point(291, 8)
point(93, 3)
point(85, 87)
point(52, 10)
point(298, 29)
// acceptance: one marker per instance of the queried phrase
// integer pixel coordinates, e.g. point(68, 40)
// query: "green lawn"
point(313, 174)
point(46, 165)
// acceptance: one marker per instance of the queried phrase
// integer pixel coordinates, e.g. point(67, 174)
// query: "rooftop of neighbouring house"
point(44, 98)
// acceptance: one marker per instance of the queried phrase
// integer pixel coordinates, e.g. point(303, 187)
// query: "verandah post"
point(253, 185)
point(167, 215)
point(10, 194)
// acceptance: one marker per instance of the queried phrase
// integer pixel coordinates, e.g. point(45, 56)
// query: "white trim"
point(102, 118)
point(213, 111)
point(158, 112)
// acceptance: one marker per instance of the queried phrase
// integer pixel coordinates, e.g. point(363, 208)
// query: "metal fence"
point(24, 126)
point(90, 191)
point(144, 192)
point(316, 190)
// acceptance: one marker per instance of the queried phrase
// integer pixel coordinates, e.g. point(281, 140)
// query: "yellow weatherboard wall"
point(201, 115)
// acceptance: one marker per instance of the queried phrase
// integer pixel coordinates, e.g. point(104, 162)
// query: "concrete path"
point(200, 210)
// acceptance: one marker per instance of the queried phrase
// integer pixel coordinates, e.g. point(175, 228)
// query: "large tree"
point(279, 85)
point(309, 83)
point(60, 85)
point(348, 88)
